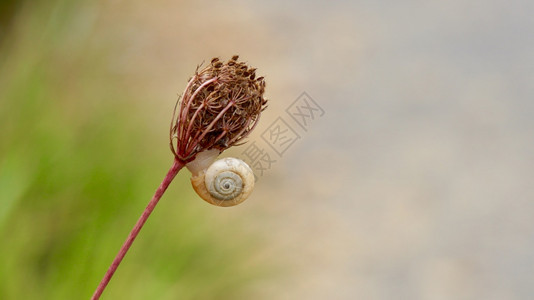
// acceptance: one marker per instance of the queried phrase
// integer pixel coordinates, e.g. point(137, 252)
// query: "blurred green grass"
point(77, 167)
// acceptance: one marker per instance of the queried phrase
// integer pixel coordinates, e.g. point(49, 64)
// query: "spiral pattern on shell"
point(226, 182)
point(225, 186)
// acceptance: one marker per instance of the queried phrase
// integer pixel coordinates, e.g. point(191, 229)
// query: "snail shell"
point(226, 182)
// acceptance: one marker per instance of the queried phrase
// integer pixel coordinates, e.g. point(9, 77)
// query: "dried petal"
point(220, 106)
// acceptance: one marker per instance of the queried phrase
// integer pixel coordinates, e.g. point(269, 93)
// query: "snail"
point(224, 182)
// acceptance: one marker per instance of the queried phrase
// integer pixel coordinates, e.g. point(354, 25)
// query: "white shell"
point(226, 182)
point(202, 161)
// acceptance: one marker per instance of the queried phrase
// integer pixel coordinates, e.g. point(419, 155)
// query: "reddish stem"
point(176, 166)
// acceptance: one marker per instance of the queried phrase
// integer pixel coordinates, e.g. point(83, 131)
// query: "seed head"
point(221, 104)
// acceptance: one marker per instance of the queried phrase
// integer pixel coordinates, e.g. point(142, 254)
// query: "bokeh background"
point(417, 183)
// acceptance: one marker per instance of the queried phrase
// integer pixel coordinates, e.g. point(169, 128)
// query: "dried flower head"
point(221, 104)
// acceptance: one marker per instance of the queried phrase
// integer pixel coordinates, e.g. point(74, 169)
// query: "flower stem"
point(176, 166)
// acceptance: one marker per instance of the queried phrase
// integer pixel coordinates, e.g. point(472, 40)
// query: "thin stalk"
point(176, 166)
